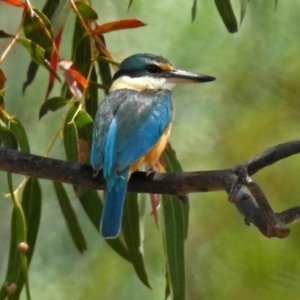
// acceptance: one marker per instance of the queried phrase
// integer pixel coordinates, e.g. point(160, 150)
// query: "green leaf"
point(93, 206)
point(37, 29)
point(243, 9)
point(60, 15)
point(48, 11)
point(81, 48)
point(194, 10)
point(174, 236)
point(52, 104)
point(70, 142)
point(226, 12)
point(31, 204)
point(7, 138)
point(91, 101)
point(105, 71)
point(17, 262)
point(131, 232)
point(70, 134)
point(18, 130)
point(129, 5)
point(37, 53)
point(4, 35)
point(175, 214)
point(15, 268)
point(86, 11)
point(50, 7)
point(173, 165)
point(70, 217)
point(38, 56)
point(84, 126)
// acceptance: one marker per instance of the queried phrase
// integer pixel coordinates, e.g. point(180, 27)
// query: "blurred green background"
point(254, 104)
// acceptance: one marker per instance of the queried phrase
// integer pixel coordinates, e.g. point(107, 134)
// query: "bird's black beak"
point(181, 76)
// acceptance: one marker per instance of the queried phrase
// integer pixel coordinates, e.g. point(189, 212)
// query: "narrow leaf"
point(4, 35)
point(60, 15)
point(18, 130)
point(2, 92)
point(31, 204)
point(17, 263)
point(54, 62)
point(118, 25)
point(105, 71)
point(129, 5)
point(175, 214)
point(37, 53)
point(194, 10)
point(52, 104)
point(243, 9)
point(172, 164)
point(70, 142)
point(37, 28)
point(226, 12)
point(70, 217)
point(131, 232)
point(15, 3)
point(92, 204)
point(7, 138)
point(84, 126)
point(81, 49)
point(91, 98)
point(15, 268)
point(174, 236)
point(70, 134)
point(48, 10)
point(31, 74)
point(86, 11)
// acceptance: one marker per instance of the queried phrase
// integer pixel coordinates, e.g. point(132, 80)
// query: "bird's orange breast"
point(154, 153)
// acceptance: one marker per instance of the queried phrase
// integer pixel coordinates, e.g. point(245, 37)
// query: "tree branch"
point(242, 191)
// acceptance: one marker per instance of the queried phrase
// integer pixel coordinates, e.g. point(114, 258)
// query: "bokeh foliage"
point(252, 106)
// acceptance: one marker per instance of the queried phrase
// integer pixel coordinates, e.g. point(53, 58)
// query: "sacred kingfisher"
point(132, 126)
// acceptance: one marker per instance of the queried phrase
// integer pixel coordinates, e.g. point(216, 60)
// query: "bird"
point(132, 126)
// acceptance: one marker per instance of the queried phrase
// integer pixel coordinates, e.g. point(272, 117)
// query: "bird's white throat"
point(141, 83)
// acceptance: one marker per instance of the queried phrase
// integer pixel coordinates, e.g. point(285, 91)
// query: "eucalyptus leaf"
point(19, 131)
point(92, 204)
point(52, 104)
point(226, 12)
point(131, 232)
point(175, 214)
point(70, 217)
point(7, 137)
point(86, 11)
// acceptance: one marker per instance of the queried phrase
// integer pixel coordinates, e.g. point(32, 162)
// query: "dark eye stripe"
point(153, 69)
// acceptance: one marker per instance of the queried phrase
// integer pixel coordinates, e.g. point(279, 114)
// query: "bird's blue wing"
point(141, 120)
point(104, 116)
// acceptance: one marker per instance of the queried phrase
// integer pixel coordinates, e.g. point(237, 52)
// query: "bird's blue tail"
point(113, 208)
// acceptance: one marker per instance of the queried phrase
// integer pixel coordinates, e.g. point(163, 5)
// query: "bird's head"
point(147, 71)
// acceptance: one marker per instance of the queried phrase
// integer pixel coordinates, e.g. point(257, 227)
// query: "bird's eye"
point(153, 69)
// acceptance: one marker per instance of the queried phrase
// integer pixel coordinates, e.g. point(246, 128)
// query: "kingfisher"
point(132, 126)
